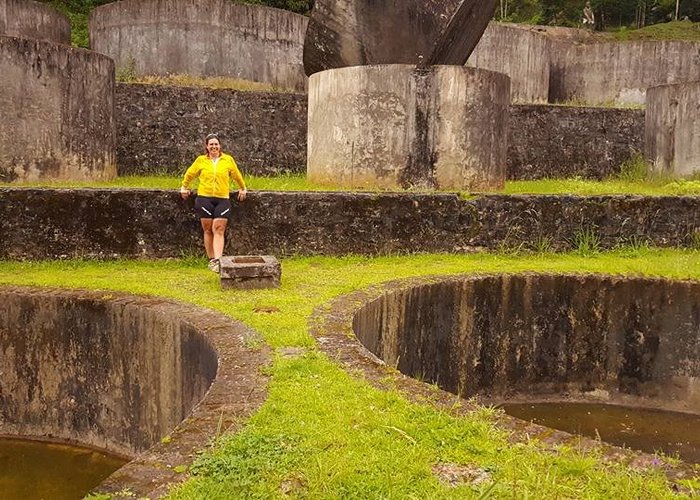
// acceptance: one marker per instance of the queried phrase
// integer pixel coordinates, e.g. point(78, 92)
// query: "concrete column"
point(57, 109)
point(30, 19)
point(396, 126)
point(672, 128)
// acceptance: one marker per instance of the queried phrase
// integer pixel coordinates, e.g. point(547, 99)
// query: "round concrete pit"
point(625, 340)
point(119, 373)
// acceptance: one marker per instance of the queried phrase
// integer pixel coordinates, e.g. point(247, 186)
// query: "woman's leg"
point(207, 228)
point(219, 229)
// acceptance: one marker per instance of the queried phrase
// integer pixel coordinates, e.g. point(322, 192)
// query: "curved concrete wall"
point(620, 72)
point(208, 38)
point(672, 128)
point(108, 372)
point(58, 112)
point(30, 19)
point(395, 125)
point(522, 54)
point(620, 339)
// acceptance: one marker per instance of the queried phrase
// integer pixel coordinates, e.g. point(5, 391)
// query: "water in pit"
point(32, 470)
point(676, 434)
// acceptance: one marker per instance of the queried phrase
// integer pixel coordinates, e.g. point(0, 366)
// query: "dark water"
point(676, 434)
point(36, 470)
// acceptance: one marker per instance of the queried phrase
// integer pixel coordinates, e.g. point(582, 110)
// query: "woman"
point(213, 206)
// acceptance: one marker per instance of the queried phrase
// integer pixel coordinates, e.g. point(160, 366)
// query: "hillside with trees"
point(610, 15)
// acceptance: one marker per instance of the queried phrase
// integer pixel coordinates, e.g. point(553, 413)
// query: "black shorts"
point(208, 207)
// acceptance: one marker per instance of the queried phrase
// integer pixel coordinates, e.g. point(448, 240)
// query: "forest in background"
point(609, 14)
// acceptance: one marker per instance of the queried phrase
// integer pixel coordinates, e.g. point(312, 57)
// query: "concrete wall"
point(141, 223)
point(627, 339)
point(30, 19)
point(159, 129)
point(523, 55)
point(396, 125)
point(571, 141)
point(620, 72)
point(162, 128)
point(115, 373)
point(672, 134)
point(209, 38)
point(57, 112)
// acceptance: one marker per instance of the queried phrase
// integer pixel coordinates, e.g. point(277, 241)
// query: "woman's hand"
point(241, 194)
point(184, 193)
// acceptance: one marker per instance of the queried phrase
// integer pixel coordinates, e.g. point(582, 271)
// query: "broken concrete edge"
point(153, 472)
point(331, 324)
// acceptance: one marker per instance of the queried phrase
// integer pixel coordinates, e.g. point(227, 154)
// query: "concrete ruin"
point(58, 112)
point(30, 19)
point(250, 272)
point(345, 33)
point(629, 341)
point(118, 373)
point(202, 38)
point(672, 129)
point(400, 126)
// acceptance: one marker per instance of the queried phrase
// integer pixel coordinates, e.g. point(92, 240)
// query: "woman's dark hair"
point(208, 138)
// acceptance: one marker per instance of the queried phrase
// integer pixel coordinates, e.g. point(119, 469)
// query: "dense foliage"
point(609, 14)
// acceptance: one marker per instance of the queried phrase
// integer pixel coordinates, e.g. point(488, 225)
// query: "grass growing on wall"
point(622, 185)
point(674, 30)
point(323, 433)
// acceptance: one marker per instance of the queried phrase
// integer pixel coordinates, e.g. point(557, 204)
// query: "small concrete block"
point(250, 272)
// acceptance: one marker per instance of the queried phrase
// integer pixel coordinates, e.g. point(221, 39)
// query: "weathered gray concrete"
point(615, 339)
point(672, 129)
point(396, 125)
point(621, 72)
point(523, 55)
point(30, 19)
point(57, 113)
point(202, 37)
point(120, 372)
point(250, 272)
point(572, 141)
point(113, 223)
point(345, 33)
point(160, 128)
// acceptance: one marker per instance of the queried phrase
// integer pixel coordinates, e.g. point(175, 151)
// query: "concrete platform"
point(250, 272)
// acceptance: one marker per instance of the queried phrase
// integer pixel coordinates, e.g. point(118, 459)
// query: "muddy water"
point(676, 434)
point(36, 470)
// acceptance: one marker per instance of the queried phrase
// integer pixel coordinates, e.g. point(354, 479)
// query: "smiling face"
point(213, 147)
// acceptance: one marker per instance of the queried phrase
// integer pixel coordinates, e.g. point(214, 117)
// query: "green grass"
point(576, 186)
point(323, 433)
point(674, 30)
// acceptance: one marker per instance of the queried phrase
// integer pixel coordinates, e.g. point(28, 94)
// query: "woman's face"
point(213, 147)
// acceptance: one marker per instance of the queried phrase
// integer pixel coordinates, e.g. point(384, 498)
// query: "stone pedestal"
point(250, 272)
point(398, 126)
point(672, 129)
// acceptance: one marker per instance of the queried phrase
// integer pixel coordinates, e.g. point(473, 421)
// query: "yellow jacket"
point(214, 179)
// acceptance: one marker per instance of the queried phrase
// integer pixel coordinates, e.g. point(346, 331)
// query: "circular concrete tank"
point(30, 19)
point(58, 112)
point(204, 38)
point(672, 129)
point(399, 126)
point(632, 341)
point(119, 373)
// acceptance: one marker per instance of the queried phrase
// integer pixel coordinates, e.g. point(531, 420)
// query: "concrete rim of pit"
point(331, 325)
point(240, 353)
